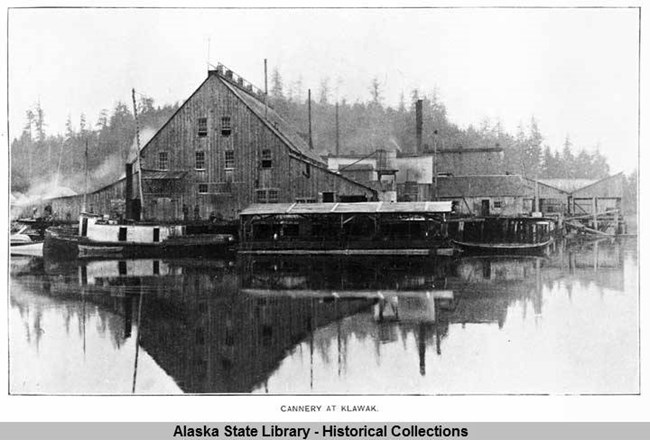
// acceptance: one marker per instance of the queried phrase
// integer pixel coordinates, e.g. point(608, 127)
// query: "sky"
point(575, 70)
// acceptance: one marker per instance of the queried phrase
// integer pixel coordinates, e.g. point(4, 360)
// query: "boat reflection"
point(219, 326)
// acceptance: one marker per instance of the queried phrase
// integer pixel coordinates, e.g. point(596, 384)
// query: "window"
point(267, 159)
point(200, 160)
point(230, 159)
point(266, 195)
point(163, 161)
point(305, 200)
point(328, 197)
point(497, 203)
point(226, 127)
point(203, 127)
point(229, 176)
point(203, 188)
point(260, 195)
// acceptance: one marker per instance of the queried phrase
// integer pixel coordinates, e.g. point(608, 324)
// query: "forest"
point(56, 160)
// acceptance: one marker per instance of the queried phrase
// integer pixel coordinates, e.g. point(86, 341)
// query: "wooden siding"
point(609, 187)
point(249, 137)
point(293, 174)
point(107, 200)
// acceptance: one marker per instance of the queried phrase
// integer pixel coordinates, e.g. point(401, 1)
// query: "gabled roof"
point(567, 185)
point(274, 121)
point(596, 182)
point(132, 157)
point(542, 183)
point(484, 186)
point(348, 208)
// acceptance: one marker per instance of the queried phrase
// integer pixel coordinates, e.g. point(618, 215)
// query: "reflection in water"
point(562, 324)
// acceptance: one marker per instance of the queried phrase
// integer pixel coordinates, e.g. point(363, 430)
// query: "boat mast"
point(137, 143)
point(85, 177)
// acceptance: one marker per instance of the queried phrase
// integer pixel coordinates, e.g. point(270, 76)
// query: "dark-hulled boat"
point(502, 234)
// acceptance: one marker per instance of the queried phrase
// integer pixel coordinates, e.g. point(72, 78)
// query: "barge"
point(364, 228)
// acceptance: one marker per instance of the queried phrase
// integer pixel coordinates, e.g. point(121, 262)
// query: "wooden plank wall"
point(102, 201)
point(180, 139)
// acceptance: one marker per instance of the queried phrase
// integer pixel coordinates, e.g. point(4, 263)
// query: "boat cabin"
point(99, 229)
point(344, 226)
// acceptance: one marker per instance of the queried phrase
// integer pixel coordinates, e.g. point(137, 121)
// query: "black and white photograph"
point(377, 201)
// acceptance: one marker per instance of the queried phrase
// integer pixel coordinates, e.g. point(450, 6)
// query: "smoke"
point(110, 170)
point(36, 195)
point(394, 143)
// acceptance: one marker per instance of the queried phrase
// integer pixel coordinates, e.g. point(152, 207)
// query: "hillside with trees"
point(55, 159)
point(39, 158)
point(367, 126)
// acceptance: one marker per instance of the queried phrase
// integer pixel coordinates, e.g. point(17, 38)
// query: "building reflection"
point(226, 326)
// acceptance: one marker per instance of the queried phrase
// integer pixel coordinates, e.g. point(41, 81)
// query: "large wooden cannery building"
point(224, 149)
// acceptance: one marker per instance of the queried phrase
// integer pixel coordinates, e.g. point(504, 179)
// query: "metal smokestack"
point(418, 126)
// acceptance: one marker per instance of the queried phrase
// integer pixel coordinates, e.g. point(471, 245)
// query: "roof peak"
point(229, 75)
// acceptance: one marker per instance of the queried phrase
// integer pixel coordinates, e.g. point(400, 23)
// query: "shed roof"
point(348, 208)
point(356, 167)
point(162, 175)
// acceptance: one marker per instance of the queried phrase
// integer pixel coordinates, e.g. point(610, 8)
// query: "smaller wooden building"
point(598, 197)
point(500, 195)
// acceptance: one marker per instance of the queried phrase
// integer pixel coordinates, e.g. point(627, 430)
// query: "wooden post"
point(337, 130)
point(266, 89)
point(137, 145)
point(594, 207)
point(311, 142)
point(435, 165)
point(85, 177)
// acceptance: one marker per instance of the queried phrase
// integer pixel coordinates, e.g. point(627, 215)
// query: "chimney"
point(418, 126)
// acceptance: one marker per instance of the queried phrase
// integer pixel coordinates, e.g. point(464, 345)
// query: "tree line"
point(39, 158)
point(364, 126)
point(367, 126)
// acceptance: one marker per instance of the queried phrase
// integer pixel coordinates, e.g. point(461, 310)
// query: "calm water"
point(566, 323)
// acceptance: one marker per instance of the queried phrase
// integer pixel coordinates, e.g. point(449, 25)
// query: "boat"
point(25, 241)
point(97, 236)
point(521, 234)
point(363, 228)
